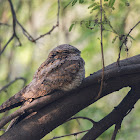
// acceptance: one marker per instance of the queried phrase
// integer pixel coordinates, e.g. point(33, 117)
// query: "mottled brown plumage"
point(63, 70)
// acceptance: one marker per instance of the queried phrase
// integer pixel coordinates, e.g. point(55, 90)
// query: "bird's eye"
point(53, 55)
point(66, 52)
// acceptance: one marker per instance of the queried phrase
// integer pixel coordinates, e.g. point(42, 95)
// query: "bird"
point(62, 70)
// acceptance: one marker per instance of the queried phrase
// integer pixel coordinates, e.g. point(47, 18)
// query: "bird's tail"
point(14, 101)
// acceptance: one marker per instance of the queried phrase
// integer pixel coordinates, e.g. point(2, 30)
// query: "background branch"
point(125, 40)
point(25, 32)
point(102, 52)
point(14, 35)
point(57, 24)
point(10, 83)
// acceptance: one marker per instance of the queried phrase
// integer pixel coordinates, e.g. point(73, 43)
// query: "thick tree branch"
point(116, 116)
point(32, 107)
point(56, 113)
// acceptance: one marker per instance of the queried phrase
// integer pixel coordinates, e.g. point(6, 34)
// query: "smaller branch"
point(14, 35)
point(19, 78)
point(86, 118)
point(117, 128)
point(5, 24)
point(125, 40)
point(109, 23)
point(57, 24)
point(102, 52)
point(48, 33)
point(11, 38)
point(14, 21)
point(25, 32)
point(74, 134)
point(30, 38)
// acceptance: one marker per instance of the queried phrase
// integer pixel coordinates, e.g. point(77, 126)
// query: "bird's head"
point(64, 50)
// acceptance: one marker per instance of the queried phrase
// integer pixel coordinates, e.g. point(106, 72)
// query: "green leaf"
point(111, 3)
point(72, 25)
point(67, 5)
point(74, 2)
point(114, 39)
point(81, 1)
point(106, 4)
point(105, 0)
point(87, 24)
point(127, 3)
point(113, 8)
point(96, 7)
point(131, 37)
point(93, 4)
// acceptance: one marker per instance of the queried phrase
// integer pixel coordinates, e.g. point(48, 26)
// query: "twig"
point(57, 24)
point(5, 24)
point(14, 21)
point(125, 40)
point(11, 38)
point(19, 78)
point(102, 52)
point(25, 32)
point(74, 134)
point(86, 118)
point(14, 35)
point(117, 127)
point(118, 124)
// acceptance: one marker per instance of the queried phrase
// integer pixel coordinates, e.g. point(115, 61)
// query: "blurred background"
point(38, 17)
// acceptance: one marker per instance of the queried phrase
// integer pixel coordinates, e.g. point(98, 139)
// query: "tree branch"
point(117, 127)
point(57, 24)
point(74, 134)
point(58, 111)
point(81, 118)
point(14, 35)
point(116, 116)
point(33, 106)
point(25, 32)
point(10, 83)
point(102, 52)
point(125, 40)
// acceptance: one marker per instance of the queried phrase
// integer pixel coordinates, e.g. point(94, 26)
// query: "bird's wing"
point(30, 89)
point(48, 79)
